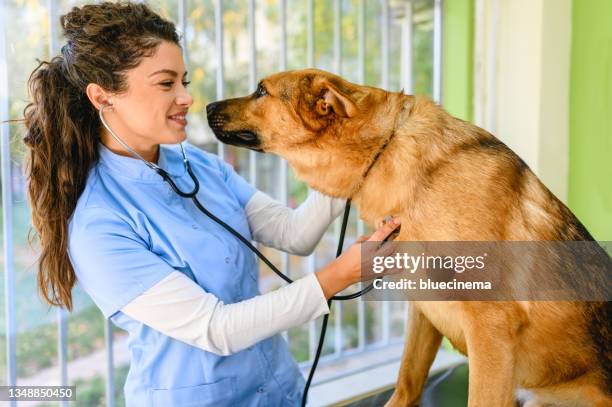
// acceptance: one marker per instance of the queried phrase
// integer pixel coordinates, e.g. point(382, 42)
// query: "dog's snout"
point(216, 119)
point(219, 118)
point(211, 108)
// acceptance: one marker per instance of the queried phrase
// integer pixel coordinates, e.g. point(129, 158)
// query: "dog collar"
point(380, 151)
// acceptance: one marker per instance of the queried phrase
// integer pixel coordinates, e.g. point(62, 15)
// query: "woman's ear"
point(98, 96)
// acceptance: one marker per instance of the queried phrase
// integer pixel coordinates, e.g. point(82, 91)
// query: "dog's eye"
point(261, 91)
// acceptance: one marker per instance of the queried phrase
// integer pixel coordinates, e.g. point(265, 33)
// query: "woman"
point(185, 289)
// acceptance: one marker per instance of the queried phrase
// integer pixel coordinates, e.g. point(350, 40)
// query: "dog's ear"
point(333, 100)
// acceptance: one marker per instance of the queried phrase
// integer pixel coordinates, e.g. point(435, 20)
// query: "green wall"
point(458, 57)
point(590, 161)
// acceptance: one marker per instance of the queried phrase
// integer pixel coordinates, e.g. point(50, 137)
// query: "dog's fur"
point(448, 180)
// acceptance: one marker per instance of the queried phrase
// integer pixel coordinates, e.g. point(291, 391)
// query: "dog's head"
point(286, 109)
point(313, 119)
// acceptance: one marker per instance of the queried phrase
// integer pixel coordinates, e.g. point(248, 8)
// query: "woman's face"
point(153, 109)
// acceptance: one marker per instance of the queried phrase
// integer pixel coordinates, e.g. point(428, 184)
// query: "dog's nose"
point(211, 108)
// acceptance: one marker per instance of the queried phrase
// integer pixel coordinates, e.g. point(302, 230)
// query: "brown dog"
point(448, 180)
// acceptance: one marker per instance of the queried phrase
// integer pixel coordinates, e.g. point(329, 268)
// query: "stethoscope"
point(193, 195)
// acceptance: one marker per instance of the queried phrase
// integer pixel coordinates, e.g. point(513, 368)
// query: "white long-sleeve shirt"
point(181, 309)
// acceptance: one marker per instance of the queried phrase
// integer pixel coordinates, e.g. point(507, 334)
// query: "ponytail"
point(62, 137)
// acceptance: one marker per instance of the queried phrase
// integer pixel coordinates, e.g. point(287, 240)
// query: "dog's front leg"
point(491, 366)
point(422, 343)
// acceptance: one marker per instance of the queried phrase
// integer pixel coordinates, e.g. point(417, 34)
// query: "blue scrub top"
point(130, 230)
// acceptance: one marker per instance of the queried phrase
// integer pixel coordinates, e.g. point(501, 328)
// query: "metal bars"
point(7, 205)
point(220, 61)
point(62, 315)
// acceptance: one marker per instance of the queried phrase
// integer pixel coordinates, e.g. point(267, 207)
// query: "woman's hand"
point(346, 269)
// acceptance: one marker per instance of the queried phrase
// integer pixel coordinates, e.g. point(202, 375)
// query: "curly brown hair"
point(104, 41)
